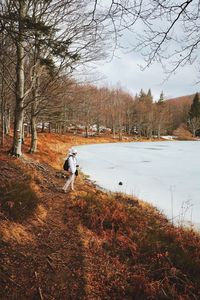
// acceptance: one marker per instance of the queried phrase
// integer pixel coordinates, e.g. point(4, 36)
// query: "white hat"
point(74, 151)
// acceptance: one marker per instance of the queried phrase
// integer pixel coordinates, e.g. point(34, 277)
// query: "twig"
point(40, 293)
point(39, 288)
point(50, 263)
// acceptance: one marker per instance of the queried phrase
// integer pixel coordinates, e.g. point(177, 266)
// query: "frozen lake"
point(165, 174)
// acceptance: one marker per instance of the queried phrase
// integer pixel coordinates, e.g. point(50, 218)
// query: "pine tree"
point(195, 108)
point(142, 94)
point(149, 96)
point(161, 99)
point(194, 115)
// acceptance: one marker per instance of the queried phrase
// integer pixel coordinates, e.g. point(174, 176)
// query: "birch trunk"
point(33, 147)
point(120, 130)
point(159, 131)
point(19, 108)
point(7, 121)
point(120, 134)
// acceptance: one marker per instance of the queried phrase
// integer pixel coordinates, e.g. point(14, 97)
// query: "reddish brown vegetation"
point(185, 100)
point(89, 244)
point(182, 133)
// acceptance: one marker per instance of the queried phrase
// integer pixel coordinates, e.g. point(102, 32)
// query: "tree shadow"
point(53, 266)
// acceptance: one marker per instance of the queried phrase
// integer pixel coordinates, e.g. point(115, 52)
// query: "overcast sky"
point(124, 71)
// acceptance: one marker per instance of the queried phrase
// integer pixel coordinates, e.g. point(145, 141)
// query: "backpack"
point(66, 164)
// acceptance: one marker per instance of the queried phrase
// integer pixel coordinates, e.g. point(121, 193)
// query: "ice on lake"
point(165, 174)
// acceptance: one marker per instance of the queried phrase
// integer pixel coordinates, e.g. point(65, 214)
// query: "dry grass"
point(160, 260)
point(101, 246)
point(15, 233)
point(182, 133)
point(52, 148)
point(40, 215)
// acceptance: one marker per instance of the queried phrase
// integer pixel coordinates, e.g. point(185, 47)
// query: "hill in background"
point(182, 100)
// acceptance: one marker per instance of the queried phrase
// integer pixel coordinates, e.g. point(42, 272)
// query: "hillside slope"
point(86, 244)
point(187, 99)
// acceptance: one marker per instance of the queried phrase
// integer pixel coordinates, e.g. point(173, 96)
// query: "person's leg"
point(69, 179)
point(72, 182)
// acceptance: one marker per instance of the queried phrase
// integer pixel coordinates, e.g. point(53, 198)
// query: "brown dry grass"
point(15, 233)
point(53, 147)
point(92, 245)
point(182, 133)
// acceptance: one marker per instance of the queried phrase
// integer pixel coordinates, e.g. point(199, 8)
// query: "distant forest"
point(67, 106)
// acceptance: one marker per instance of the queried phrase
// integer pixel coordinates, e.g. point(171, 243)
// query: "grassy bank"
point(87, 244)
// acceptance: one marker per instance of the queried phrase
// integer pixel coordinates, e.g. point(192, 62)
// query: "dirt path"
point(52, 265)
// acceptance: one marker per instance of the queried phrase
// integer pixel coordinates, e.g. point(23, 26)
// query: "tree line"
point(66, 106)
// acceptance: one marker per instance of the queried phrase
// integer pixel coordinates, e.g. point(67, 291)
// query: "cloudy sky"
point(124, 71)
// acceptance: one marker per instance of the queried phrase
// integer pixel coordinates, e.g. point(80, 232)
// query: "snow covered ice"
point(165, 174)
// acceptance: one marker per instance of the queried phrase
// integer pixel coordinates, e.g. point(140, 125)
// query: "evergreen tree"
point(194, 115)
point(195, 108)
point(142, 95)
point(149, 96)
point(161, 99)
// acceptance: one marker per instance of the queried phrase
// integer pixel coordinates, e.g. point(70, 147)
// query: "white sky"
point(124, 71)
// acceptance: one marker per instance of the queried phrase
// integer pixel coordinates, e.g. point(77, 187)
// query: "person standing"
point(72, 170)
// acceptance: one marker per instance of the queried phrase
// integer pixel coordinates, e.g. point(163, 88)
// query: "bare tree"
point(61, 33)
point(168, 32)
point(194, 125)
point(7, 76)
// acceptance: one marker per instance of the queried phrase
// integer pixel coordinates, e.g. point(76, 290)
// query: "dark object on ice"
point(120, 183)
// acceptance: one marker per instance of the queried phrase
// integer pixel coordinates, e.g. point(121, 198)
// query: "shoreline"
point(90, 243)
point(185, 224)
point(178, 219)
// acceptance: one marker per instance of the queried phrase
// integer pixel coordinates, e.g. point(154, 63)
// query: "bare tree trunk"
point(86, 131)
point(120, 134)
point(3, 108)
point(2, 122)
point(7, 121)
point(17, 139)
point(2, 115)
point(120, 130)
point(113, 131)
point(42, 129)
point(33, 147)
point(98, 128)
point(159, 130)
point(19, 109)
point(23, 133)
point(113, 127)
